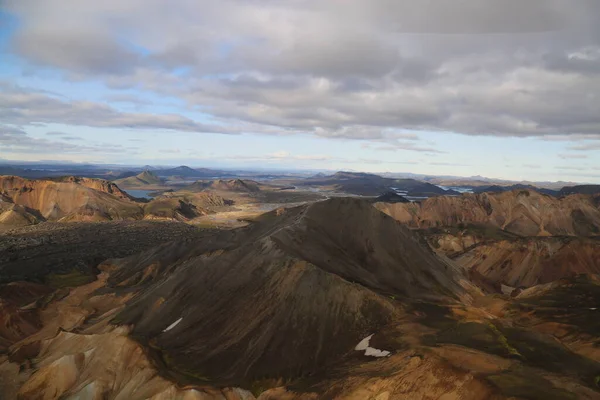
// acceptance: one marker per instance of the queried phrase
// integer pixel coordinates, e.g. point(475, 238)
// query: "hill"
point(70, 199)
point(523, 212)
point(580, 189)
point(365, 184)
point(499, 189)
point(145, 178)
point(187, 172)
point(231, 185)
point(391, 197)
point(494, 257)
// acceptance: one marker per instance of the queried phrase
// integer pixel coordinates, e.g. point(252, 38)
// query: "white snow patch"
point(376, 352)
point(363, 345)
point(173, 325)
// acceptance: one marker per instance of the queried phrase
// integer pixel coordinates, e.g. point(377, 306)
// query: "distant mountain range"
point(365, 184)
point(348, 181)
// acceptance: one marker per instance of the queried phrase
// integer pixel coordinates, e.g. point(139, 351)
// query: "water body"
point(141, 194)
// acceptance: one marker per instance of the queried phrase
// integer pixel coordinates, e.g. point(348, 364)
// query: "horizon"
point(306, 171)
point(507, 91)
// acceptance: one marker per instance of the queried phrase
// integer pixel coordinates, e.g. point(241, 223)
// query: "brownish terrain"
point(523, 212)
point(510, 240)
point(144, 179)
point(24, 202)
point(327, 300)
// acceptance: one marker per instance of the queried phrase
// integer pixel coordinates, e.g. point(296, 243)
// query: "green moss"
point(547, 353)
point(483, 337)
point(172, 365)
point(504, 341)
point(525, 384)
point(70, 279)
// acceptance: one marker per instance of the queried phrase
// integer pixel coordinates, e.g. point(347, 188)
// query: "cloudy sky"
point(506, 89)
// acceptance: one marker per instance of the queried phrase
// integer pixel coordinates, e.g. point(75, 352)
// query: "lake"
point(141, 194)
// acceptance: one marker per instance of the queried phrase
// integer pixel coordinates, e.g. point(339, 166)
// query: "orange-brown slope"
point(523, 212)
point(529, 262)
point(70, 198)
point(25, 201)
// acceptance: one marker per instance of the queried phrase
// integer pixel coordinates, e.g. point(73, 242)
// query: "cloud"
point(63, 136)
point(449, 164)
point(588, 146)
point(532, 166)
point(283, 156)
point(19, 106)
point(571, 168)
point(348, 70)
point(396, 146)
point(572, 156)
point(15, 140)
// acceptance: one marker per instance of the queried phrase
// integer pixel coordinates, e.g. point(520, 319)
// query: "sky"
point(505, 89)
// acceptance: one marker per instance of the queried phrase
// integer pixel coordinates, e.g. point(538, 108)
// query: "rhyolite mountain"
point(331, 299)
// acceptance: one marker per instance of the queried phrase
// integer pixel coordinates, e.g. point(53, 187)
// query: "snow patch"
point(363, 345)
point(173, 325)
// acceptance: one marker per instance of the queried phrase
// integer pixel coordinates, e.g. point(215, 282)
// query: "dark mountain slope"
point(580, 189)
point(295, 284)
point(231, 185)
point(373, 185)
point(143, 179)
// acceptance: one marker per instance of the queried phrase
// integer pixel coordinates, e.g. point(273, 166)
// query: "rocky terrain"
point(501, 261)
point(326, 300)
point(522, 212)
point(144, 179)
point(512, 240)
point(231, 185)
point(24, 202)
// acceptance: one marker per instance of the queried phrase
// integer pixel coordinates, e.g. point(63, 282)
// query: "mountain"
point(365, 184)
point(499, 189)
point(523, 212)
point(304, 282)
point(145, 178)
point(231, 185)
point(526, 263)
point(187, 172)
point(327, 300)
point(494, 257)
point(68, 199)
point(391, 197)
point(580, 189)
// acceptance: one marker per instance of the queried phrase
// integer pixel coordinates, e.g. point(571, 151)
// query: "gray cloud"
point(21, 107)
point(351, 71)
point(64, 136)
point(572, 156)
point(15, 140)
point(588, 146)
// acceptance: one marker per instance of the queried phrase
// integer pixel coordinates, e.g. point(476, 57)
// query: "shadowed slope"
point(277, 299)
